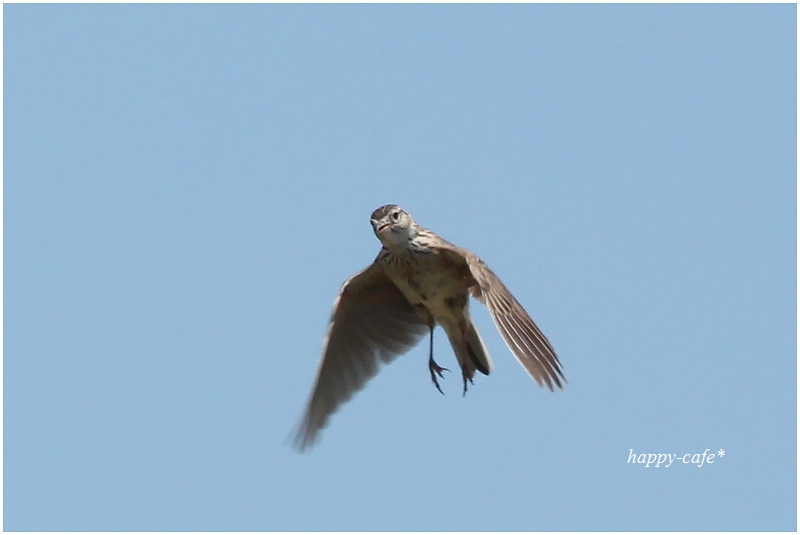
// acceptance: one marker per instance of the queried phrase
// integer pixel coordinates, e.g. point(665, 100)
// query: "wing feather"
point(520, 332)
point(372, 324)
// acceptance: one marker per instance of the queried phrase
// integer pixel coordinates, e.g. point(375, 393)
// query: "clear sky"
point(187, 186)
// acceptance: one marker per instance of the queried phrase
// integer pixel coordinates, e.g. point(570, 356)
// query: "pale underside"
point(373, 323)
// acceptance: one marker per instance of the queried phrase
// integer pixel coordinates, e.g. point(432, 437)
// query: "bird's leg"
point(435, 368)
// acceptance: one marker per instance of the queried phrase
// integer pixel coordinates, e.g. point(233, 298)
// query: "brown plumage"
point(417, 281)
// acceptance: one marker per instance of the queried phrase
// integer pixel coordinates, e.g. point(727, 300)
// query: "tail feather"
point(477, 351)
point(477, 356)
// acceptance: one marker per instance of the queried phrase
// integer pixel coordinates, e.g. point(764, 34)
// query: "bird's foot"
point(436, 370)
point(467, 377)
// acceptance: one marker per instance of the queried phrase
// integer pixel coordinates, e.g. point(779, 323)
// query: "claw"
point(436, 370)
point(466, 378)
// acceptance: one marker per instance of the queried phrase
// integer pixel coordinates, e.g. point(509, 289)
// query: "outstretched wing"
point(520, 333)
point(372, 323)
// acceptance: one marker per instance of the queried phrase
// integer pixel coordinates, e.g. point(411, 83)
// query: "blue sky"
point(187, 186)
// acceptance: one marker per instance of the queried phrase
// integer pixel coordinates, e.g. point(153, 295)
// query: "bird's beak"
point(379, 226)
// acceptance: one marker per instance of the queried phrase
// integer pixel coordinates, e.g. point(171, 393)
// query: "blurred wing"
point(372, 323)
point(520, 333)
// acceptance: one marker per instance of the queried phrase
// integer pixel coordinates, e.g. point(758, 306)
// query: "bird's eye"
point(395, 216)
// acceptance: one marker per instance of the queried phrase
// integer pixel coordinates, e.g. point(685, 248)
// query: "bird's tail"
point(471, 355)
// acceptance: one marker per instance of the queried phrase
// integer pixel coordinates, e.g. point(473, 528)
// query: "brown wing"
point(372, 323)
point(519, 331)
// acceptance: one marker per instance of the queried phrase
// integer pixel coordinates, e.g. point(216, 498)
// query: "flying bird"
point(417, 281)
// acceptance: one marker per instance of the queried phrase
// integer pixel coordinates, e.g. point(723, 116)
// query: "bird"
point(417, 281)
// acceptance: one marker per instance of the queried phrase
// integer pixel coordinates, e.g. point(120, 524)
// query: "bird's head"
point(393, 226)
